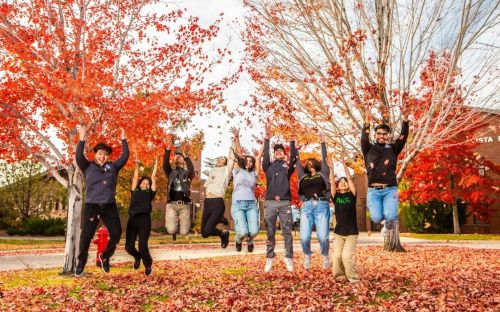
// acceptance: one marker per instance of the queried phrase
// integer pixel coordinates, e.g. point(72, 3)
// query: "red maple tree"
point(452, 174)
point(104, 65)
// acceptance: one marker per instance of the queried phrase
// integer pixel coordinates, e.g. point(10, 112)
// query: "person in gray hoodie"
point(100, 189)
point(314, 192)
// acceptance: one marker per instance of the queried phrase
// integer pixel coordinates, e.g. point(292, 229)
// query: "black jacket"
point(100, 181)
point(381, 159)
point(278, 173)
point(185, 175)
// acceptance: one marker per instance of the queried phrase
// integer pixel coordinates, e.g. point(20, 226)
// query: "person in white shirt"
point(213, 205)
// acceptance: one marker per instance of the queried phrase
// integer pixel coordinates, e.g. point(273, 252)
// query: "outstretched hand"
point(122, 134)
point(235, 132)
point(322, 137)
point(368, 114)
point(267, 130)
point(82, 132)
point(405, 112)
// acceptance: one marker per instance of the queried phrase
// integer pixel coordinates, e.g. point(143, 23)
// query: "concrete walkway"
point(52, 260)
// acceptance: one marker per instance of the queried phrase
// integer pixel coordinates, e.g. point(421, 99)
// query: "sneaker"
point(137, 263)
point(149, 270)
point(250, 247)
point(383, 230)
point(78, 271)
point(224, 239)
point(307, 262)
point(269, 265)
point(238, 247)
point(104, 264)
point(289, 264)
point(326, 262)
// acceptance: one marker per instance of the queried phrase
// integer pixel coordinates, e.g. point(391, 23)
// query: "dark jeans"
point(273, 209)
point(139, 226)
point(91, 215)
point(213, 211)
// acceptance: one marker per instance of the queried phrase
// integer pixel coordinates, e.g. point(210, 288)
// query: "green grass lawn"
point(163, 239)
point(452, 237)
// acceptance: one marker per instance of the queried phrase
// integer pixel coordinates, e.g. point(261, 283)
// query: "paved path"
point(32, 261)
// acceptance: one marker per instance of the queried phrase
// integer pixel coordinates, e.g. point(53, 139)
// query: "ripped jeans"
point(91, 215)
point(273, 209)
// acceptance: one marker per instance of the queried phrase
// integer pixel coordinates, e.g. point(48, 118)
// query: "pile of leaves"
point(423, 279)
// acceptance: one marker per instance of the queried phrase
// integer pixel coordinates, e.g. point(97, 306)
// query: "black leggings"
point(213, 212)
point(91, 215)
point(139, 225)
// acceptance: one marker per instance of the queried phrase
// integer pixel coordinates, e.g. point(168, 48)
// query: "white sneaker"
point(269, 265)
point(307, 262)
point(289, 264)
point(383, 230)
point(326, 262)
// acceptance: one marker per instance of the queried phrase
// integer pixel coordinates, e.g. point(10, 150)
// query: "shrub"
point(38, 226)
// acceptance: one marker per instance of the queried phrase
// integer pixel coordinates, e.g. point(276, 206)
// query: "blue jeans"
point(245, 214)
point(315, 213)
point(383, 204)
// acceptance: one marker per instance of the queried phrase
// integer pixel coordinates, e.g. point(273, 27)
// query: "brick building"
point(488, 148)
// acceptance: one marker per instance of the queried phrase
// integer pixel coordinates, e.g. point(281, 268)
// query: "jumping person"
point(143, 192)
point(100, 190)
point(179, 184)
point(380, 162)
point(314, 192)
point(213, 206)
point(346, 230)
point(244, 209)
point(278, 199)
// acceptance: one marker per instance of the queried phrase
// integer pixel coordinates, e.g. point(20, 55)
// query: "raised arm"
point(236, 141)
point(231, 158)
point(325, 170)
point(365, 133)
point(80, 158)
point(190, 167)
point(258, 160)
point(122, 160)
point(166, 161)
point(266, 160)
point(333, 185)
point(349, 178)
point(293, 158)
point(153, 175)
point(403, 136)
point(135, 178)
point(300, 169)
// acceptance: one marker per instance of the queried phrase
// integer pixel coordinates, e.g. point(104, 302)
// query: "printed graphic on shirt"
point(177, 185)
point(342, 200)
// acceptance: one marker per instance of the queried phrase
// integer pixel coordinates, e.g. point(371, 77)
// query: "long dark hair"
point(315, 163)
point(242, 161)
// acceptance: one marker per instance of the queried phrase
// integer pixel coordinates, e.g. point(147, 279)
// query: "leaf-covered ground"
point(423, 279)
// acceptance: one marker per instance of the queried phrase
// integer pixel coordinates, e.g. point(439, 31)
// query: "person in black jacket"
point(100, 204)
point(178, 195)
point(380, 162)
point(143, 192)
point(278, 199)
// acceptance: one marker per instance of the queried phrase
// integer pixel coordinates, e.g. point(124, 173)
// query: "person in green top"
point(346, 230)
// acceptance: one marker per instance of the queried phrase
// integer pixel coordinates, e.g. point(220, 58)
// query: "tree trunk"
point(391, 238)
point(73, 227)
point(456, 224)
